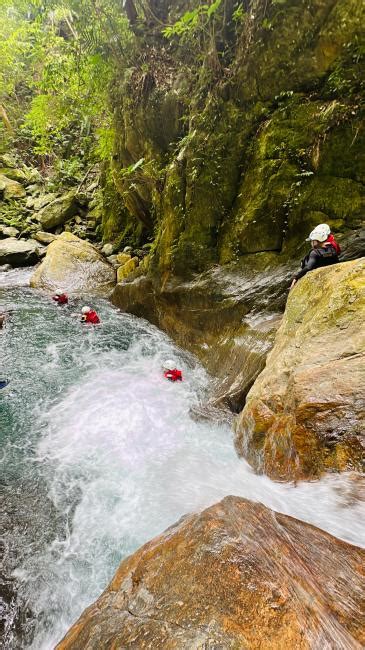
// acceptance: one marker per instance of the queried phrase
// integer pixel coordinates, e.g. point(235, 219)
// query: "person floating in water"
point(89, 316)
point(60, 297)
point(170, 372)
point(325, 251)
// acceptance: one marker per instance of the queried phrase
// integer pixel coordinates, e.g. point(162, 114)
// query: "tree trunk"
point(131, 11)
point(5, 119)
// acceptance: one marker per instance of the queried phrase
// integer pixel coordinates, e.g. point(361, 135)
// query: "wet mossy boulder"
point(75, 265)
point(305, 413)
point(236, 576)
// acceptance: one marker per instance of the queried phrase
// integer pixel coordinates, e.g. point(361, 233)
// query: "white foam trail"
point(123, 441)
point(16, 277)
point(123, 458)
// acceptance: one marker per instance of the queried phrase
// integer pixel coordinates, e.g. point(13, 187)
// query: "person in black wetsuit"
point(325, 251)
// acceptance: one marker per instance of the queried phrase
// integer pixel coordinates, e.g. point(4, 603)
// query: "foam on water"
point(119, 454)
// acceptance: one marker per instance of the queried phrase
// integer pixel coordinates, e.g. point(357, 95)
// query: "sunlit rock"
point(305, 412)
point(75, 265)
point(238, 575)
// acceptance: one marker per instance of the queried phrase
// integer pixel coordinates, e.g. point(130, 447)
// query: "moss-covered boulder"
point(74, 265)
point(305, 412)
point(58, 211)
point(11, 189)
point(127, 269)
point(14, 174)
point(237, 576)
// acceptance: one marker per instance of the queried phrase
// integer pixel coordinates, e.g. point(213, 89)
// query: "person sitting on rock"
point(60, 298)
point(170, 372)
point(89, 316)
point(325, 251)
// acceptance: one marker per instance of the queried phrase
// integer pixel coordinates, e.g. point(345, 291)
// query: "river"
point(100, 453)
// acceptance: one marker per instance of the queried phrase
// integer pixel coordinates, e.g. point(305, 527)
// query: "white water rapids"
point(103, 454)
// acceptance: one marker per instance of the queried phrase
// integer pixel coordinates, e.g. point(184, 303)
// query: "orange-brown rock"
point(237, 576)
point(306, 411)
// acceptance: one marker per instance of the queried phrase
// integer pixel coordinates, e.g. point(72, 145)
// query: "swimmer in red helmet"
point(170, 372)
point(88, 315)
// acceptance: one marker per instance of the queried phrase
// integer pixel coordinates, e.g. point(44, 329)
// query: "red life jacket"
point(61, 299)
point(331, 240)
point(173, 375)
point(92, 317)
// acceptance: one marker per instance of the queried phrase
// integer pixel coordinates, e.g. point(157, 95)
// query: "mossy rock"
point(58, 211)
point(303, 415)
point(75, 265)
point(11, 189)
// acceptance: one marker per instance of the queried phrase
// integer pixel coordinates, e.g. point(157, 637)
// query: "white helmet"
point(169, 364)
point(85, 310)
point(59, 292)
point(320, 233)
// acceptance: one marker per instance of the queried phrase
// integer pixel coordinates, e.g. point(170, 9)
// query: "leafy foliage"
point(57, 63)
point(198, 18)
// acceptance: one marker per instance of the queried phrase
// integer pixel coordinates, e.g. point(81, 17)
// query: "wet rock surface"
point(74, 265)
point(19, 252)
point(305, 413)
point(237, 575)
point(227, 317)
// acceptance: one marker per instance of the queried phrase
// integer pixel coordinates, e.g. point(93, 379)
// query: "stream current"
point(100, 453)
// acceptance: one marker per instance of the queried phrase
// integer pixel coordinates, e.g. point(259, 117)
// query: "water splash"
point(103, 454)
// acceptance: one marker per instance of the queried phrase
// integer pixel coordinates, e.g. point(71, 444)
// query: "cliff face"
point(241, 158)
point(245, 158)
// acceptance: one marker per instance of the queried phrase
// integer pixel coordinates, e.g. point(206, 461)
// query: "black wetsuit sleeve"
point(310, 264)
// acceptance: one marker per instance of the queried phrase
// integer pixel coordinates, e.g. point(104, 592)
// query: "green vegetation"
point(57, 63)
point(216, 129)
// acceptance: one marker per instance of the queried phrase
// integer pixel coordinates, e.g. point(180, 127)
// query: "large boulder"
point(75, 265)
point(20, 252)
point(58, 211)
point(11, 189)
point(238, 575)
point(305, 412)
